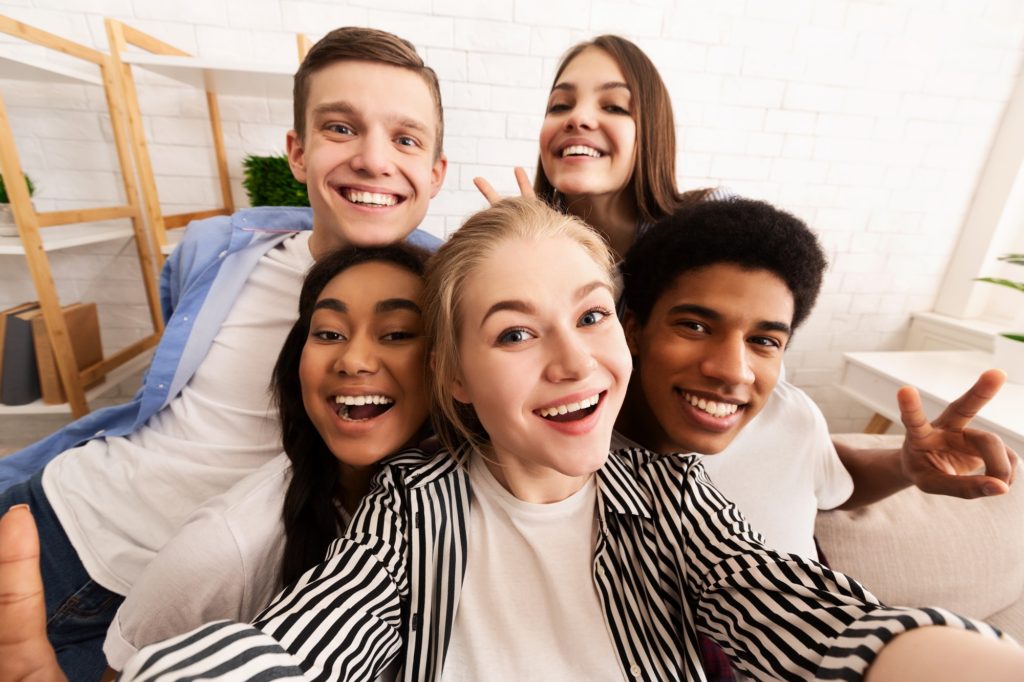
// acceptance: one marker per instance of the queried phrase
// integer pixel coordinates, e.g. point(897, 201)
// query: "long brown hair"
point(653, 183)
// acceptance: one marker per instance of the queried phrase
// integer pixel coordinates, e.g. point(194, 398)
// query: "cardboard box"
point(83, 326)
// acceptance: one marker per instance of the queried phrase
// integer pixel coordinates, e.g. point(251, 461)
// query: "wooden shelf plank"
point(220, 76)
point(114, 378)
point(57, 238)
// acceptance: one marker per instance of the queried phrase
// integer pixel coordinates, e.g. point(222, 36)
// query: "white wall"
point(870, 119)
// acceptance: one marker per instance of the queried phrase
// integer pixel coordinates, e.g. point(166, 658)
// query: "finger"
point(999, 460)
point(525, 186)
point(912, 413)
point(966, 487)
point(487, 190)
point(961, 411)
point(25, 651)
point(1014, 461)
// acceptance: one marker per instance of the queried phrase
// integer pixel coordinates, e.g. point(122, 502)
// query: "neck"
point(534, 484)
point(613, 215)
point(636, 420)
point(322, 241)
point(355, 483)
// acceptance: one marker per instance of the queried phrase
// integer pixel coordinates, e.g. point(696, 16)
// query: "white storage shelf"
point(17, 66)
point(220, 76)
point(57, 238)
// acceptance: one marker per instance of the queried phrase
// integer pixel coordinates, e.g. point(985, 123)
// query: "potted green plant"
point(1009, 346)
point(8, 228)
point(269, 182)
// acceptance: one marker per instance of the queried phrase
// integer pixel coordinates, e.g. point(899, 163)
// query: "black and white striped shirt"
point(673, 559)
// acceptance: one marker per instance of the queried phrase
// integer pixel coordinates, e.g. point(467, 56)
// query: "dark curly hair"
point(311, 518)
point(751, 234)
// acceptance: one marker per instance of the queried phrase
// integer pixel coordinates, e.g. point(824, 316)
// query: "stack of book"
point(28, 365)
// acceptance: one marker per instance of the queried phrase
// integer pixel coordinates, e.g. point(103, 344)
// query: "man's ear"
point(296, 156)
point(437, 173)
point(631, 325)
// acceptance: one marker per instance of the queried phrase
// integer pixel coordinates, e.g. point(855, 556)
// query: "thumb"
point(25, 651)
point(966, 487)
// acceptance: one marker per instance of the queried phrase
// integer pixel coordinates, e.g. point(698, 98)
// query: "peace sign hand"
point(941, 456)
point(491, 194)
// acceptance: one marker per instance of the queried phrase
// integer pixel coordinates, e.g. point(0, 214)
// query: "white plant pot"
point(1009, 357)
point(8, 228)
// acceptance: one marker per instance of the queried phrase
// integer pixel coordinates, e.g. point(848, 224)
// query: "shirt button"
point(634, 670)
point(99, 433)
point(600, 571)
point(185, 317)
point(222, 254)
point(160, 386)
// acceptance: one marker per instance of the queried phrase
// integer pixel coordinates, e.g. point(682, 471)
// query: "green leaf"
point(1015, 258)
point(1013, 337)
point(1019, 286)
point(3, 190)
point(269, 182)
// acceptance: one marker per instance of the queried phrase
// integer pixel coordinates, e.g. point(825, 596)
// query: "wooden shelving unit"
point(215, 77)
point(41, 233)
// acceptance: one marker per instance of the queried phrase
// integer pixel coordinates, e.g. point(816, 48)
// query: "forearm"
point(876, 474)
point(935, 654)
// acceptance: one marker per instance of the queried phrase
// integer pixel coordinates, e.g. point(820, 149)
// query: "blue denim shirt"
point(198, 286)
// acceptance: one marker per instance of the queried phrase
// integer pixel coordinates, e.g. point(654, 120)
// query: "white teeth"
point(570, 407)
point(370, 198)
point(713, 408)
point(581, 150)
point(351, 400)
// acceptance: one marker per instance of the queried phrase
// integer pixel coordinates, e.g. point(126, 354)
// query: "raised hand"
point(491, 194)
point(942, 456)
point(25, 652)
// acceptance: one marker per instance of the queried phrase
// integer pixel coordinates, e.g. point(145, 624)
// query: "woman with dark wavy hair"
point(350, 387)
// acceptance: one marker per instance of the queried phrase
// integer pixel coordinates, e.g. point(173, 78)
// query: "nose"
point(373, 156)
point(728, 361)
point(581, 117)
point(357, 356)
point(570, 359)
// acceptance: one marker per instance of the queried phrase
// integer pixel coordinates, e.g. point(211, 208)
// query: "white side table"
point(872, 379)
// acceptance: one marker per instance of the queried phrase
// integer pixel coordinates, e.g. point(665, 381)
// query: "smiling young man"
point(714, 294)
point(119, 482)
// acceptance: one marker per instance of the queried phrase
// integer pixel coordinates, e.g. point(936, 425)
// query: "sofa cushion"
point(916, 549)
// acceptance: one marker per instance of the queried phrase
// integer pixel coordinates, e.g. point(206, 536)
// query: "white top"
point(121, 499)
point(528, 600)
point(780, 470)
point(225, 562)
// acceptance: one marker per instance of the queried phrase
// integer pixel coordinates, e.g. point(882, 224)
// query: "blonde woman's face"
point(543, 358)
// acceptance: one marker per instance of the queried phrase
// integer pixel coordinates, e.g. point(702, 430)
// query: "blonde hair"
point(456, 423)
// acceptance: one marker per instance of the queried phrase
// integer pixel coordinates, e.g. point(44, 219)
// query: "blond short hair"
point(455, 423)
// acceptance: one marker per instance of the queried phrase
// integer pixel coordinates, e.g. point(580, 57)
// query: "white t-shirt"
point(528, 600)
point(780, 470)
point(225, 562)
point(121, 499)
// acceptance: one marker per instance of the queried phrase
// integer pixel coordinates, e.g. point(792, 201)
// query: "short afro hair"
point(753, 235)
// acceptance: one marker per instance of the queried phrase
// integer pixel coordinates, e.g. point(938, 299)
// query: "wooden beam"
point(46, 39)
point(85, 215)
point(183, 219)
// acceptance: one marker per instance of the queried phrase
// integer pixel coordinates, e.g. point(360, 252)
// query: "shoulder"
point(424, 240)
point(414, 467)
point(795, 406)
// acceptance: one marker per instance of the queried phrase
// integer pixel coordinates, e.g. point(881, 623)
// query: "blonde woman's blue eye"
point(514, 336)
point(592, 317)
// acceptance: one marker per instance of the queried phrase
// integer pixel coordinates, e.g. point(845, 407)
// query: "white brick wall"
point(870, 119)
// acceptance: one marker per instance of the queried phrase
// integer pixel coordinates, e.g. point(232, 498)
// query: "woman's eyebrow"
point(390, 304)
point(331, 304)
point(571, 87)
